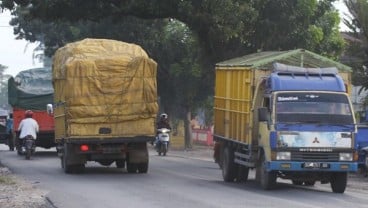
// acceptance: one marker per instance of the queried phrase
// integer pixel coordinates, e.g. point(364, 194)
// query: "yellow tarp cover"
point(104, 84)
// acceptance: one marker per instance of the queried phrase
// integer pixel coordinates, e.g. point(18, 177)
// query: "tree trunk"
point(187, 130)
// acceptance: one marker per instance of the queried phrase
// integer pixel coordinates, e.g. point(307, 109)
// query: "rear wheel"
point(297, 182)
point(120, 163)
point(131, 167)
point(338, 182)
point(228, 165)
point(243, 173)
point(142, 167)
point(28, 154)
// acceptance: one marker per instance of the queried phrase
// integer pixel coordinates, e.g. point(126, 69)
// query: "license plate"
point(316, 165)
point(311, 165)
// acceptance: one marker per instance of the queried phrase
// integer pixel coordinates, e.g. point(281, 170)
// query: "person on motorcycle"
point(28, 126)
point(162, 123)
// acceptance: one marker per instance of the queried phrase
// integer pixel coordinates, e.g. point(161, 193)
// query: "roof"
point(297, 57)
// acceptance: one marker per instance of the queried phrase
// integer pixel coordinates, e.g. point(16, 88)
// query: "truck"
point(105, 104)
point(286, 114)
point(32, 89)
point(362, 142)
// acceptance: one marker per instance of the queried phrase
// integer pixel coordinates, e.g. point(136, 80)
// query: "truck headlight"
point(346, 156)
point(283, 155)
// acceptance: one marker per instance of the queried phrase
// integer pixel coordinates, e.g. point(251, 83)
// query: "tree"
point(186, 37)
point(3, 87)
point(357, 22)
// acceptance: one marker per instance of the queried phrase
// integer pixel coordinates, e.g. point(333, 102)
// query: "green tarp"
point(31, 89)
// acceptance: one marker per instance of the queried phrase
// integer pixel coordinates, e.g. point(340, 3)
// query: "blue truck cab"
point(311, 126)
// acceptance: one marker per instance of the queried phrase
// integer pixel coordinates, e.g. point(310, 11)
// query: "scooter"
point(162, 141)
point(28, 147)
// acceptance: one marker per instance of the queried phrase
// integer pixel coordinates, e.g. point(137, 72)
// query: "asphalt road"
point(175, 181)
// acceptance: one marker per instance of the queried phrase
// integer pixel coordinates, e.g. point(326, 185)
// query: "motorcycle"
point(28, 146)
point(162, 141)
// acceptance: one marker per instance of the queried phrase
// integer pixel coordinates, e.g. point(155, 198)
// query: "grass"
point(7, 180)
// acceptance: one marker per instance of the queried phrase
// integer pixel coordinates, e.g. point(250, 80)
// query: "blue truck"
point(287, 115)
point(362, 143)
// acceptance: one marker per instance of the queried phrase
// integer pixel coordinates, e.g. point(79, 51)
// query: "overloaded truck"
point(32, 89)
point(286, 114)
point(105, 104)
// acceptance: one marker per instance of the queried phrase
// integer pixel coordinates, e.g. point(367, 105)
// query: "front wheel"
point(268, 178)
point(164, 148)
point(338, 182)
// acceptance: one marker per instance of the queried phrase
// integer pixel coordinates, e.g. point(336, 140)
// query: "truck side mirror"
point(49, 109)
point(263, 114)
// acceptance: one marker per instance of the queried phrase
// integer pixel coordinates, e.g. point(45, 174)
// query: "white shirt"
point(28, 126)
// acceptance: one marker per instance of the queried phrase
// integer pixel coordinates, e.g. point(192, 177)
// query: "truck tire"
point(131, 167)
point(142, 167)
point(268, 178)
point(70, 168)
point(228, 165)
point(243, 173)
point(338, 182)
point(120, 163)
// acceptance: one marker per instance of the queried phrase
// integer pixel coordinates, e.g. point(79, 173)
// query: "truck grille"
point(315, 156)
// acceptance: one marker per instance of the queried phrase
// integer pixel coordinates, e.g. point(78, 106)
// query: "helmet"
point(163, 116)
point(29, 114)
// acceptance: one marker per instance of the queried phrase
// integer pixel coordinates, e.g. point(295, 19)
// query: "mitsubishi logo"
point(315, 140)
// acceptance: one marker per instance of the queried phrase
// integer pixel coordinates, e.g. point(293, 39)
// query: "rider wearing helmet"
point(28, 126)
point(163, 122)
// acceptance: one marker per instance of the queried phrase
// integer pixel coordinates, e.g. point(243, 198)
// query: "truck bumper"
point(312, 166)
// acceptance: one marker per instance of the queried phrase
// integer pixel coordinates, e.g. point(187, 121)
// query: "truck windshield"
point(311, 107)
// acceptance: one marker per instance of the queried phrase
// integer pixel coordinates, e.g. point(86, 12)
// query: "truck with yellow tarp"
point(286, 114)
point(105, 104)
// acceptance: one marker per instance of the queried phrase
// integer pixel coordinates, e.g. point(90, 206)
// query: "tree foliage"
point(357, 22)
point(185, 37)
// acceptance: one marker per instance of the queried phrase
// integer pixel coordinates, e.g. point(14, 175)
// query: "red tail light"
point(84, 148)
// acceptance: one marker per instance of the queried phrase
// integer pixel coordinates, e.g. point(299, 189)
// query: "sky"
point(17, 54)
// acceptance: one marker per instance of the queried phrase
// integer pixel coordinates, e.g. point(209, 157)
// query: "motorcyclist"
point(162, 123)
point(28, 126)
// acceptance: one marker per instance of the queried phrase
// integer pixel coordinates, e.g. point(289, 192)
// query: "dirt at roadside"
point(18, 193)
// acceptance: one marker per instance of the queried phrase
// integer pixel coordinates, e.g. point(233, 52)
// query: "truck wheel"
point(131, 167)
point(309, 183)
point(228, 165)
point(268, 179)
point(297, 182)
point(142, 167)
point(243, 173)
point(120, 163)
point(67, 168)
point(338, 182)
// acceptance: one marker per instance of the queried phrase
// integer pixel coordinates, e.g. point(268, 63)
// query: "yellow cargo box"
point(104, 89)
point(236, 81)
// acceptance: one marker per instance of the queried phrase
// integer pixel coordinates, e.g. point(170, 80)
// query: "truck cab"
point(307, 133)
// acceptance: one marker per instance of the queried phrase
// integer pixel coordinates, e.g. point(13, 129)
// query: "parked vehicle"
point(32, 90)
point(362, 143)
point(285, 121)
point(105, 104)
point(163, 141)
